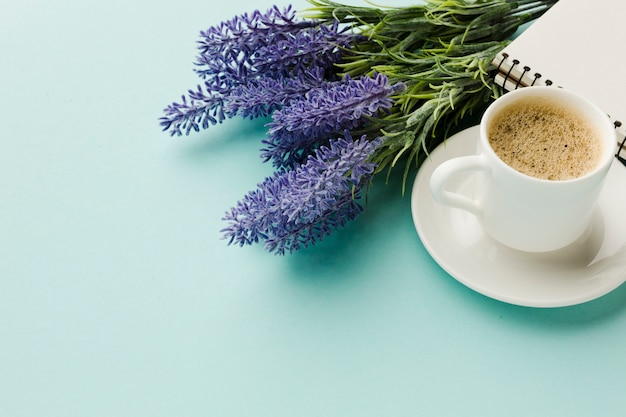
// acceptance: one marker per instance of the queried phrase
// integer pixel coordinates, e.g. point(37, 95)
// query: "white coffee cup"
point(522, 211)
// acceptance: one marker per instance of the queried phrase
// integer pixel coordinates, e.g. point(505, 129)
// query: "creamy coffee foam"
point(544, 139)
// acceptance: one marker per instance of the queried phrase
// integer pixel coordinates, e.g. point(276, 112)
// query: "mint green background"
point(118, 298)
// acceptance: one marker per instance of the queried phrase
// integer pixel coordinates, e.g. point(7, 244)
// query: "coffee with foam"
point(544, 139)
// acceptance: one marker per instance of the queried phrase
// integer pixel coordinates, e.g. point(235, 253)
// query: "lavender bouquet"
point(351, 92)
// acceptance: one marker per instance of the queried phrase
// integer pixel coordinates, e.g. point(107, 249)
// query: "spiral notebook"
point(579, 45)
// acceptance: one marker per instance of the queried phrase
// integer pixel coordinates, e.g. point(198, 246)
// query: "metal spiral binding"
point(518, 82)
point(621, 147)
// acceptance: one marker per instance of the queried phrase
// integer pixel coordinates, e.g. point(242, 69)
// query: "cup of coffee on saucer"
point(543, 155)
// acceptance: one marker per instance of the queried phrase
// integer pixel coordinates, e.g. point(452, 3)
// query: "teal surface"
point(118, 297)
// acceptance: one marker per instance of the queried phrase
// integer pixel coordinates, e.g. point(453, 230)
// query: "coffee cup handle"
point(444, 172)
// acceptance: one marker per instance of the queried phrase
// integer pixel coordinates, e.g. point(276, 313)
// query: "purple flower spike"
point(297, 208)
point(271, 45)
point(261, 97)
point(318, 47)
point(198, 111)
point(301, 126)
point(263, 60)
point(230, 46)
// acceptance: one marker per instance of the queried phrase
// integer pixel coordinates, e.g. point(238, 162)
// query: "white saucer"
point(588, 269)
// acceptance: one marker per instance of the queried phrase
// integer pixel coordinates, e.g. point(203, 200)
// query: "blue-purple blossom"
point(271, 44)
point(235, 41)
point(198, 109)
point(300, 126)
point(296, 208)
point(318, 47)
point(262, 96)
point(243, 54)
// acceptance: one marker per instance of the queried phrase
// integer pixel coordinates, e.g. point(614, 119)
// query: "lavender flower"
point(296, 208)
point(243, 55)
point(240, 37)
point(203, 107)
point(271, 44)
point(302, 125)
point(261, 97)
point(318, 47)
